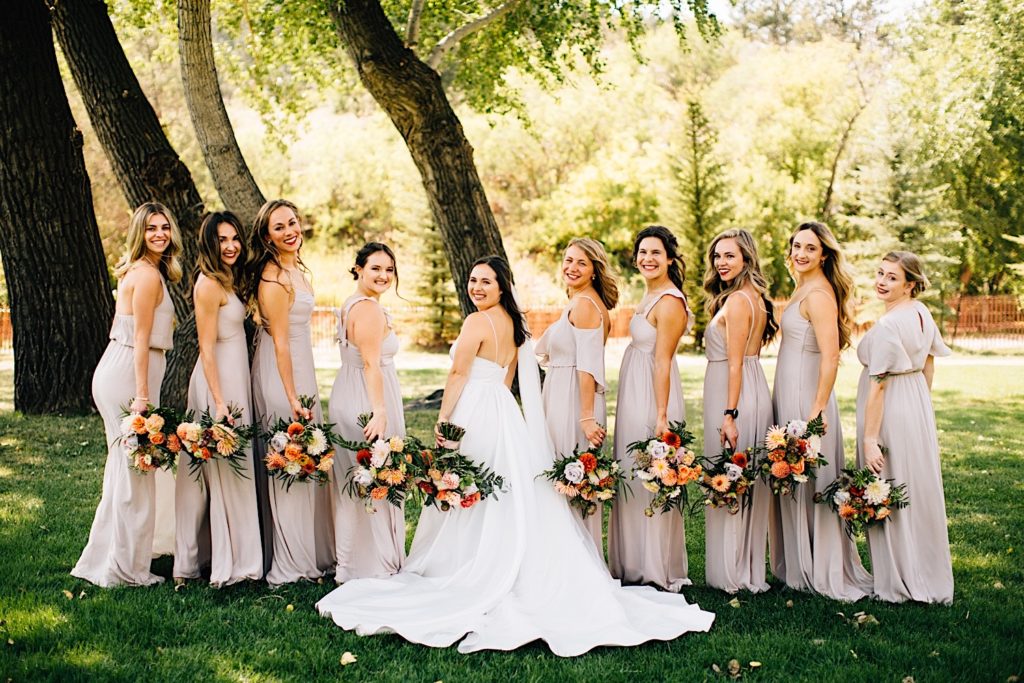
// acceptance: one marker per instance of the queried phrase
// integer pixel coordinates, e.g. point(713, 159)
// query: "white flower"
point(796, 428)
point(675, 492)
point(605, 495)
point(470, 490)
point(593, 478)
point(813, 445)
point(644, 475)
point(733, 471)
point(131, 442)
point(800, 478)
point(292, 468)
point(362, 477)
point(317, 443)
point(877, 491)
point(278, 441)
point(658, 449)
point(148, 459)
point(450, 480)
point(380, 450)
point(126, 424)
point(651, 486)
point(574, 472)
point(841, 497)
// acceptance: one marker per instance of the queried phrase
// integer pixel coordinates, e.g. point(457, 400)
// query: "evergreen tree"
point(438, 325)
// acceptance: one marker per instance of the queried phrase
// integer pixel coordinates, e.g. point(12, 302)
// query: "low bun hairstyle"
point(503, 274)
point(368, 250)
point(913, 270)
point(676, 266)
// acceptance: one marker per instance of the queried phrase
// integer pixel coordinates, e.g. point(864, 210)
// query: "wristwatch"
point(733, 412)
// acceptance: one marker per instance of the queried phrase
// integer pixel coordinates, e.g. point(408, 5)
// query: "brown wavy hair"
point(913, 270)
point(262, 251)
point(716, 291)
point(676, 265)
point(135, 244)
point(209, 262)
point(837, 272)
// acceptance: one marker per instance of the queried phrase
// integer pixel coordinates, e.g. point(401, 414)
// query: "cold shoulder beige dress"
point(367, 546)
point(645, 549)
point(735, 544)
point(569, 350)
point(120, 546)
point(910, 553)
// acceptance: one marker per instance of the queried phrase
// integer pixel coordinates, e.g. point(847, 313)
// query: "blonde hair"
point(135, 245)
point(716, 290)
point(605, 282)
point(913, 270)
point(837, 272)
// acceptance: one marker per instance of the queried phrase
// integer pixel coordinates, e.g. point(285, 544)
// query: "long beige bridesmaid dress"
point(910, 553)
point(217, 519)
point(645, 549)
point(809, 549)
point(367, 545)
point(300, 520)
point(735, 545)
point(570, 350)
point(120, 546)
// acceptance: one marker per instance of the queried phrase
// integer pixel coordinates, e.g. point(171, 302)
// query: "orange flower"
point(204, 453)
point(882, 513)
point(847, 511)
point(470, 500)
point(777, 455)
point(391, 476)
point(139, 424)
point(672, 439)
point(379, 492)
point(798, 466)
point(293, 451)
point(589, 462)
point(670, 478)
point(428, 457)
point(781, 469)
point(720, 483)
point(684, 475)
point(275, 461)
point(157, 438)
point(295, 428)
point(173, 443)
point(739, 459)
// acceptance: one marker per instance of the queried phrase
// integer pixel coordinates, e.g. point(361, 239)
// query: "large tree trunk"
point(231, 175)
point(411, 94)
point(53, 260)
point(146, 166)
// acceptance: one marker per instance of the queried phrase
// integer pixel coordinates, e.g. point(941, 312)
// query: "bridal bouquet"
point(665, 466)
point(221, 439)
point(149, 438)
point(300, 450)
point(727, 479)
point(863, 499)
point(383, 469)
point(587, 479)
point(792, 454)
point(448, 479)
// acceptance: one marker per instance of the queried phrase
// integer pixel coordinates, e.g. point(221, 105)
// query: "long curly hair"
point(262, 251)
point(135, 244)
point(605, 282)
point(837, 272)
point(716, 290)
point(503, 274)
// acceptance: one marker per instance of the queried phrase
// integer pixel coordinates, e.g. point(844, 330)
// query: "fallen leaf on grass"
point(68, 594)
point(907, 679)
point(789, 604)
point(755, 665)
point(733, 667)
point(854, 654)
point(81, 596)
point(933, 653)
point(734, 603)
point(289, 607)
point(347, 658)
point(818, 641)
point(998, 585)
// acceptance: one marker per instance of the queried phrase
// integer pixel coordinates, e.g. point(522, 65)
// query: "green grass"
point(50, 474)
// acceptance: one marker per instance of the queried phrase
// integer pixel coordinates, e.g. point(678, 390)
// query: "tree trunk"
point(146, 166)
point(53, 259)
point(411, 94)
point(231, 175)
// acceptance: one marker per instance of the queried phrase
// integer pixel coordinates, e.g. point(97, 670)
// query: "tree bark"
point(231, 174)
point(146, 166)
point(411, 94)
point(61, 306)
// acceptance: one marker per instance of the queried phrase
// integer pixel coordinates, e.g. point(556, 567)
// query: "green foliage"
point(438, 317)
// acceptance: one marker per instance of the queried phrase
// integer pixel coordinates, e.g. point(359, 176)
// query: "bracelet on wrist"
point(587, 419)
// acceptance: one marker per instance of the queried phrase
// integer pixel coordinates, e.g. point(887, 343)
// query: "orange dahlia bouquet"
point(792, 454)
point(588, 479)
point(149, 439)
point(665, 465)
point(300, 450)
point(863, 499)
point(728, 478)
point(449, 480)
point(208, 439)
point(383, 469)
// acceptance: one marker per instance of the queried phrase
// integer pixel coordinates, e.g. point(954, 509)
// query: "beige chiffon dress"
point(569, 350)
point(910, 553)
point(808, 547)
point(300, 520)
point(367, 545)
point(645, 549)
point(120, 546)
point(217, 519)
point(735, 544)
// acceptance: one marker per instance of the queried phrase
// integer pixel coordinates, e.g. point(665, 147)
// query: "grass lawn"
point(56, 627)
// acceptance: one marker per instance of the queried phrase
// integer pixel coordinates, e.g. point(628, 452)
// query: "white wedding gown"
point(514, 569)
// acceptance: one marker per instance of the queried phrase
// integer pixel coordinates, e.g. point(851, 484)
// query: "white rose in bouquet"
point(733, 471)
point(574, 471)
point(796, 428)
point(278, 441)
point(379, 452)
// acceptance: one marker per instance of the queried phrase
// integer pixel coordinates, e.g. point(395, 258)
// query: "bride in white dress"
point(518, 568)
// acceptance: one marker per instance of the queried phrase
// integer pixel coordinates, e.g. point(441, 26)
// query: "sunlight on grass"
point(6, 472)
point(88, 659)
point(19, 508)
point(28, 623)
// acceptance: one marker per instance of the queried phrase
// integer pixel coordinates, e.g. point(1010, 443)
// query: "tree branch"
point(447, 43)
point(412, 30)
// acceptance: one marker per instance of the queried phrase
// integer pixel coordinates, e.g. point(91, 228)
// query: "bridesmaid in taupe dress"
point(299, 522)
point(909, 553)
point(120, 546)
point(574, 388)
point(367, 545)
point(217, 521)
point(644, 549)
point(809, 549)
point(737, 404)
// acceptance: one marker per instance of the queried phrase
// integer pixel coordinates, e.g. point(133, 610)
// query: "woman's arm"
point(587, 316)
point(208, 296)
point(367, 326)
point(274, 301)
point(929, 370)
point(670, 321)
point(470, 340)
point(823, 313)
point(146, 293)
point(873, 457)
point(738, 321)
